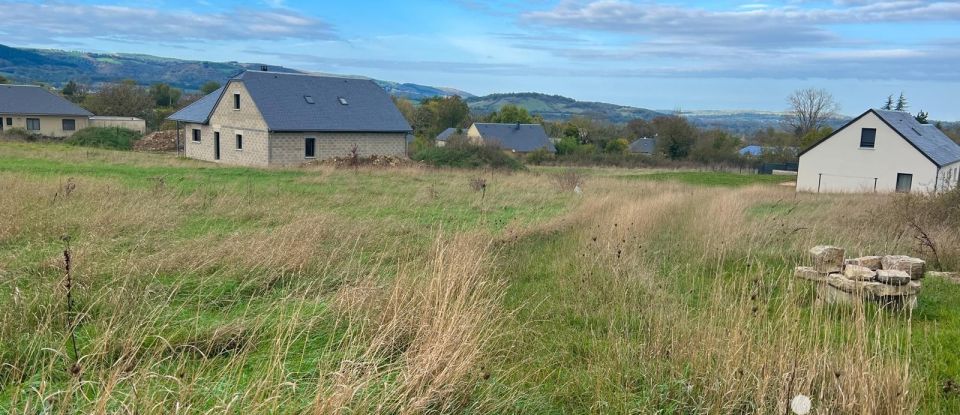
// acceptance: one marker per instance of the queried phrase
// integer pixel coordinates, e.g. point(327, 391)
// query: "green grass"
point(712, 179)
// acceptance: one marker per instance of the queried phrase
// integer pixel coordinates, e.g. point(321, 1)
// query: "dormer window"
point(342, 100)
point(308, 98)
point(236, 101)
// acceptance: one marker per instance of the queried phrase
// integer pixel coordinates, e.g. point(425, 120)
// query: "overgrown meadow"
point(197, 288)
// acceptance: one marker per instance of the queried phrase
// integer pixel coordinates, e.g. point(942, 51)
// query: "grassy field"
point(207, 289)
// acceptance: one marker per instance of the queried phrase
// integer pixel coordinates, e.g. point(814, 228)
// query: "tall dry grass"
point(697, 310)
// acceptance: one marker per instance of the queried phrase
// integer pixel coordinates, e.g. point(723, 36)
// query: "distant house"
point(881, 151)
point(446, 135)
point(263, 118)
point(517, 138)
point(40, 111)
point(752, 151)
point(644, 145)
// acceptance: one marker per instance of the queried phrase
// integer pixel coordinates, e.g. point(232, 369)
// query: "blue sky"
point(653, 54)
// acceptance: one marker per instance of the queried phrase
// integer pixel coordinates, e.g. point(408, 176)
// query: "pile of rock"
point(159, 141)
point(889, 279)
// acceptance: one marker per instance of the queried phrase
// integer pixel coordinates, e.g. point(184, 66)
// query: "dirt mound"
point(158, 141)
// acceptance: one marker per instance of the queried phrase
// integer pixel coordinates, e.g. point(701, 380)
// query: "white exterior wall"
point(949, 177)
point(839, 165)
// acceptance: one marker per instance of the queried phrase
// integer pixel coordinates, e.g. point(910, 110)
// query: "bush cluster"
point(104, 137)
point(467, 156)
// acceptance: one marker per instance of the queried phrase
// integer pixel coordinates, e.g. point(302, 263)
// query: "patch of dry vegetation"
point(319, 290)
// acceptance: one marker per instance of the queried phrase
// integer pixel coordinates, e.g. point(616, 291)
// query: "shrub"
point(539, 156)
point(467, 156)
point(618, 146)
point(567, 181)
point(104, 137)
point(19, 134)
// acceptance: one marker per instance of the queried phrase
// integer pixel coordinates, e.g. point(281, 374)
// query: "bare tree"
point(810, 109)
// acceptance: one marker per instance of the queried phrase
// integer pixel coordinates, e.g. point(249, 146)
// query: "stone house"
point(881, 151)
point(263, 118)
point(40, 111)
point(516, 138)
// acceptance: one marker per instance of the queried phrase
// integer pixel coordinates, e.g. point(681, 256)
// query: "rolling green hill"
point(555, 107)
point(57, 67)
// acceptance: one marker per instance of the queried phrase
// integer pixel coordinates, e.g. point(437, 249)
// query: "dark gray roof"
point(644, 145)
point(449, 132)
point(199, 111)
point(34, 100)
point(517, 137)
point(925, 137)
point(281, 99)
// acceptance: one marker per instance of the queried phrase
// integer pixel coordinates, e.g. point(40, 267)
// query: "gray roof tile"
point(517, 137)
point(925, 137)
point(199, 111)
point(34, 100)
point(281, 99)
point(644, 145)
point(449, 132)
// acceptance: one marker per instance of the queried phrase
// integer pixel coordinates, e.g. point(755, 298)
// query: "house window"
point(9, 121)
point(196, 135)
point(236, 101)
point(69, 124)
point(310, 148)
point(904, 182)
point(33, 124)
point(239, 141)
point(868, 137)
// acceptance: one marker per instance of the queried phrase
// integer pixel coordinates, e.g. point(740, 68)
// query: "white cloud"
point(57, 20)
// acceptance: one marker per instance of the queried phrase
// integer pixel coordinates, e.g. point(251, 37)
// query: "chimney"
point(264, 68)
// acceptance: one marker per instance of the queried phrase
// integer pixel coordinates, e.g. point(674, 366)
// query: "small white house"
point(881, 151)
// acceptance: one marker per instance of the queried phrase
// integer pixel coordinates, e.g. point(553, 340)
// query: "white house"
point(881, 151)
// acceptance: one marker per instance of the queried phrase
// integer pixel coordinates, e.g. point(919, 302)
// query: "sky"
point(688, 55)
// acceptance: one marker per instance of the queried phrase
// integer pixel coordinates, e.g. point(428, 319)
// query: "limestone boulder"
point(913, 266)
point(845, 284)
point(827, 259)
point(859, 272)
point(873, 262)
point(808, 273)
point(893, 277)
point(911, 288)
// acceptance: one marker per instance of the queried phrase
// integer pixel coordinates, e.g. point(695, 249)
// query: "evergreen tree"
point(922, 117)
point(889, 105)
point(902, 104)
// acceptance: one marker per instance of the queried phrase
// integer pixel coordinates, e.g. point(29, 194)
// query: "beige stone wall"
point(229, 122)
point(50, 126)
point(288, 148)
point(254, 152)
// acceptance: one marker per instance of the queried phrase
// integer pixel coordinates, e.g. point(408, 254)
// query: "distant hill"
point(743, 122)
point(57, 67)
point(555, 107)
